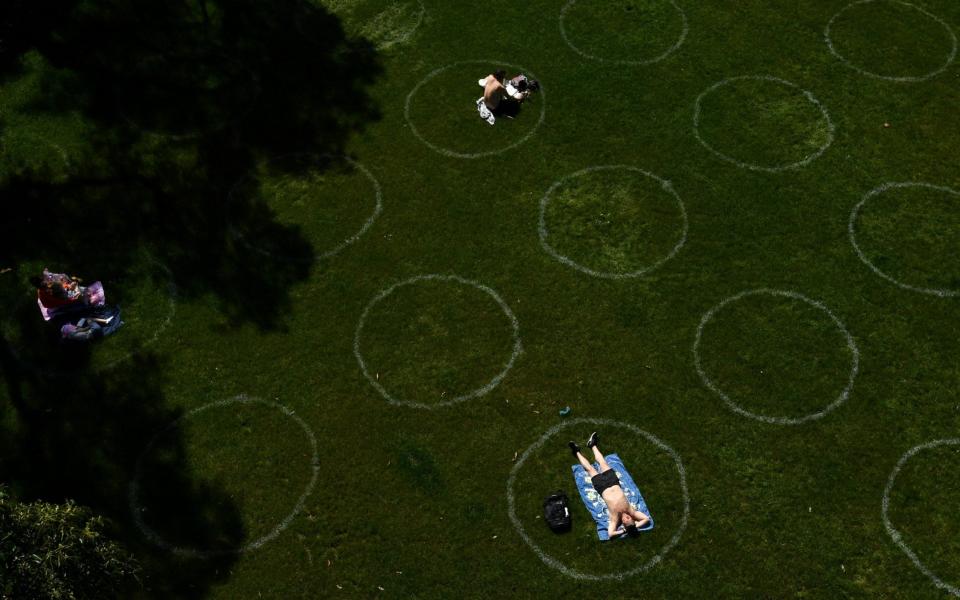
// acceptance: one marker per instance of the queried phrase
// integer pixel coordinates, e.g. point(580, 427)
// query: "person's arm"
point(613, 527)
point(639, 517)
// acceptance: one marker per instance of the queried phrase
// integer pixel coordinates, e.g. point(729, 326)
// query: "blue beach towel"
point(595, 504)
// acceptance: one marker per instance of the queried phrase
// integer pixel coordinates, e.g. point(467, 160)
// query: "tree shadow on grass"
point(161, 107)
point(181, 99)
point(81, 439)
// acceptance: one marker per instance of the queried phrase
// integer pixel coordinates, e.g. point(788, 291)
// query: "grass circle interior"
point(260, 488)
point(436, 340)
point(906, 43)
point(612, 221)
point(776, 356)
point(331, 201)
point(634, 32)
point(762, 123)
point(908, 233)
point(545, 466)
point(383, 23)
point(147, 297)
point(919, 510)
point(441, 112)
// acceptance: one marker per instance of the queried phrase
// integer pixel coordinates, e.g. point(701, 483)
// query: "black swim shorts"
point(605, 480)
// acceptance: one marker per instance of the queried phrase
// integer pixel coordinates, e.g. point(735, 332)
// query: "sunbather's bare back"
point(493, 92)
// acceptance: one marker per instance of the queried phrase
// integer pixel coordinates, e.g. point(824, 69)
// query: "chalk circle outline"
point(476, 393)
point(685, 29)
point(472, 155)
point(754, 166)
point(154, 537)
point(403, 39)
point(901, 79)
point(852, 230)
point(172, 293)
point(892, 531)
point(664, 184)
point(558, 565)
point(341, 246)
point(851, 345)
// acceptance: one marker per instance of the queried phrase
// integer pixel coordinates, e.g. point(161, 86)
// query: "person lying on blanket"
point(624, 519)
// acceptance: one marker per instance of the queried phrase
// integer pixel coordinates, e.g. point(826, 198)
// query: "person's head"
point(499, 74)
point(629, 524)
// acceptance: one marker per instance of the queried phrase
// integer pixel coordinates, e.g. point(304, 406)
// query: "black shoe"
point(574, 448)
point(594, 438)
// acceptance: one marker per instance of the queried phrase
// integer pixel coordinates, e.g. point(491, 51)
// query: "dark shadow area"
point(81, 439)
point(174, 102)
point(508, 108)
point(184, 97)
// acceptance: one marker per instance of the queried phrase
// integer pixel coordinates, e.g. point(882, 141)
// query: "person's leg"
point(604, 467)
point(583, 460)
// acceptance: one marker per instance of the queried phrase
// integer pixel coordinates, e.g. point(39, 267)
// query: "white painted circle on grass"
point(664, 184)
point(896, 535)
point(133, 495)
point(340, 246)
point(754, 166)
point(851, 345)
point(904, 79)
point(476, 393)
point(685, 29)
point(942, 292)
point(555, 563)
point(472, 109)
point(406, 35)
point(402, 38)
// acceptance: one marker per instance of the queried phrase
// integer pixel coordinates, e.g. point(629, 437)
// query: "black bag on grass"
point(556, 512)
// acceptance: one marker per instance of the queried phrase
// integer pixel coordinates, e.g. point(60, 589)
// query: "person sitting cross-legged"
point(624, 519)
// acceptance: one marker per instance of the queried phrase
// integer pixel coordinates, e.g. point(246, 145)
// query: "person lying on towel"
point(624, 519)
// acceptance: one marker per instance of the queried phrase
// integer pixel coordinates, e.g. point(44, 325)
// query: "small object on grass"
point(886, 125)
point(564, 411)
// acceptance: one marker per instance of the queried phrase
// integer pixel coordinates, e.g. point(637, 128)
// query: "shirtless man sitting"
point(623, 517)
point(494, 91)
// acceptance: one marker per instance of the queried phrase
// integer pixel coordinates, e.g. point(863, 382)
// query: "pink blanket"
point(92, 295)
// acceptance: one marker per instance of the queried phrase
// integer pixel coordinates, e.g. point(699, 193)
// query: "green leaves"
point(59, 551)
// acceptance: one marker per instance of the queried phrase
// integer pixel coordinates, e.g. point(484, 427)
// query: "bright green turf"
point(413, 502)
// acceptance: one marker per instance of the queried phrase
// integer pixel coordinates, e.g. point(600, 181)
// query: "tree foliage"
point(59, 551)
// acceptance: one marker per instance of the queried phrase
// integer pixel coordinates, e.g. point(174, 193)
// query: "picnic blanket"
point(91, 295)
point(595, 504)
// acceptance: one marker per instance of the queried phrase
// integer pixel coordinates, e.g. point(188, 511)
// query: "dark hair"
point(632, 529)
point(499, 74)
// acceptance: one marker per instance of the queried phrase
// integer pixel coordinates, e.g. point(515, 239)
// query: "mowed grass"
point(412, 503)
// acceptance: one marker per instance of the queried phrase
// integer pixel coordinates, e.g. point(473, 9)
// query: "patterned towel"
point(595, 504)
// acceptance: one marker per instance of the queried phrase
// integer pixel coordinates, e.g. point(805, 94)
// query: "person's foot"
point(574, 448)
point(594, 438)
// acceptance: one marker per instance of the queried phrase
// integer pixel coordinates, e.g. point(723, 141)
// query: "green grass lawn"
point(248, 197)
